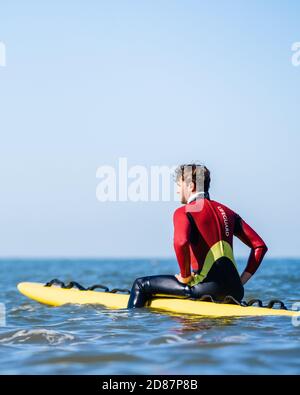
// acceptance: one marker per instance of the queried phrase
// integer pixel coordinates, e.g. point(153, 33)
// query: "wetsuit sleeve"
point(249, 237)
point(182, 229)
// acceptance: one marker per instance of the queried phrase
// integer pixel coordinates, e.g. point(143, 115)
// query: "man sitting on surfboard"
point(203, 237)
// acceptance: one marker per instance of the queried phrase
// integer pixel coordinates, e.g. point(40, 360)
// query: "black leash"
point(75, 285)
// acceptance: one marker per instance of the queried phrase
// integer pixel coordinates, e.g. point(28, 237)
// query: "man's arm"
point(182, 229)
point(258, 247)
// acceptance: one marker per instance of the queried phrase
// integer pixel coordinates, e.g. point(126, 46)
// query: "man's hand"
point(183, 280)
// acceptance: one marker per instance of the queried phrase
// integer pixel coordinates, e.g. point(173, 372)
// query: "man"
point(203, 238)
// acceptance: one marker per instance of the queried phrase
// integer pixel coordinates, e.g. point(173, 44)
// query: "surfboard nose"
point(21, 287)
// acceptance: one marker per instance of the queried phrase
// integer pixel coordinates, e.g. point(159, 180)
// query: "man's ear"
point(192, 186)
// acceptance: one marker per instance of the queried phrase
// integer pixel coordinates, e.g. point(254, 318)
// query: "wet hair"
point(196, 173)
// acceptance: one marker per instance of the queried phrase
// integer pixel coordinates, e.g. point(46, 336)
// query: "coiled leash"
point(205, 298)
point(270, 305)
point(75, 285)
point(231, 300)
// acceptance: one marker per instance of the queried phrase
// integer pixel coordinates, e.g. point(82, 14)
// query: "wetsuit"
point(203, 237)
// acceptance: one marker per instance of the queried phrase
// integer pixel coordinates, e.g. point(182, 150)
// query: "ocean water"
point(37, 339)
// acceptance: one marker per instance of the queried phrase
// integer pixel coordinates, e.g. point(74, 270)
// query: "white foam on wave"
point(37, 336)
point(235, 339)
point(24, 307)
point(168, 339)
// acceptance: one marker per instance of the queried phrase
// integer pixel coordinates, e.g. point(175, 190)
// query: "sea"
point(72, 339)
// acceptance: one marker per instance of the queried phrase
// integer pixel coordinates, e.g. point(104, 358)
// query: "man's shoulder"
point(223, 207)
point(180, 210)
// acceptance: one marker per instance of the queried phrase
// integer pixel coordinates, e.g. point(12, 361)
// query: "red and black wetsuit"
point(203, 237)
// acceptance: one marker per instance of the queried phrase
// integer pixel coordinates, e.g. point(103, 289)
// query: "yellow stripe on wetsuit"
point(219, 250)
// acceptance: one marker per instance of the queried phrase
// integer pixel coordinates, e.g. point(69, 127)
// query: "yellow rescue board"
point(55, 296)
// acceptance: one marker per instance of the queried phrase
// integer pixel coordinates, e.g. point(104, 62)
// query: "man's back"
point(208, 227)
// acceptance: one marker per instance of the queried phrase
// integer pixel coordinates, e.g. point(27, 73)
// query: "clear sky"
point(158, 82)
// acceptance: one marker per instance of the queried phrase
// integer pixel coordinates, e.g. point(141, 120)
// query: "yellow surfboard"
point(56, 296)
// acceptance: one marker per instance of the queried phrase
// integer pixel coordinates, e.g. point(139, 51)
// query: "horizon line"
point(78, 257)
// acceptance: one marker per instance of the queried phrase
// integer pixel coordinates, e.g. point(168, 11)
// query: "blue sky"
point(158, 82)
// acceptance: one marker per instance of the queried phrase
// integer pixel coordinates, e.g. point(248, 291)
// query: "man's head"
point(191, 178)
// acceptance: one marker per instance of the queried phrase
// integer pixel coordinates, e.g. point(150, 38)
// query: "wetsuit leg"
point(146, 287)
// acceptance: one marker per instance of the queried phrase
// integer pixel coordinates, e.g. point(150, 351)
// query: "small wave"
point(76, 319)
point(40, 336)
point(235, 339)
point(90, 358)
point(24, 307)
point(168, 339)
